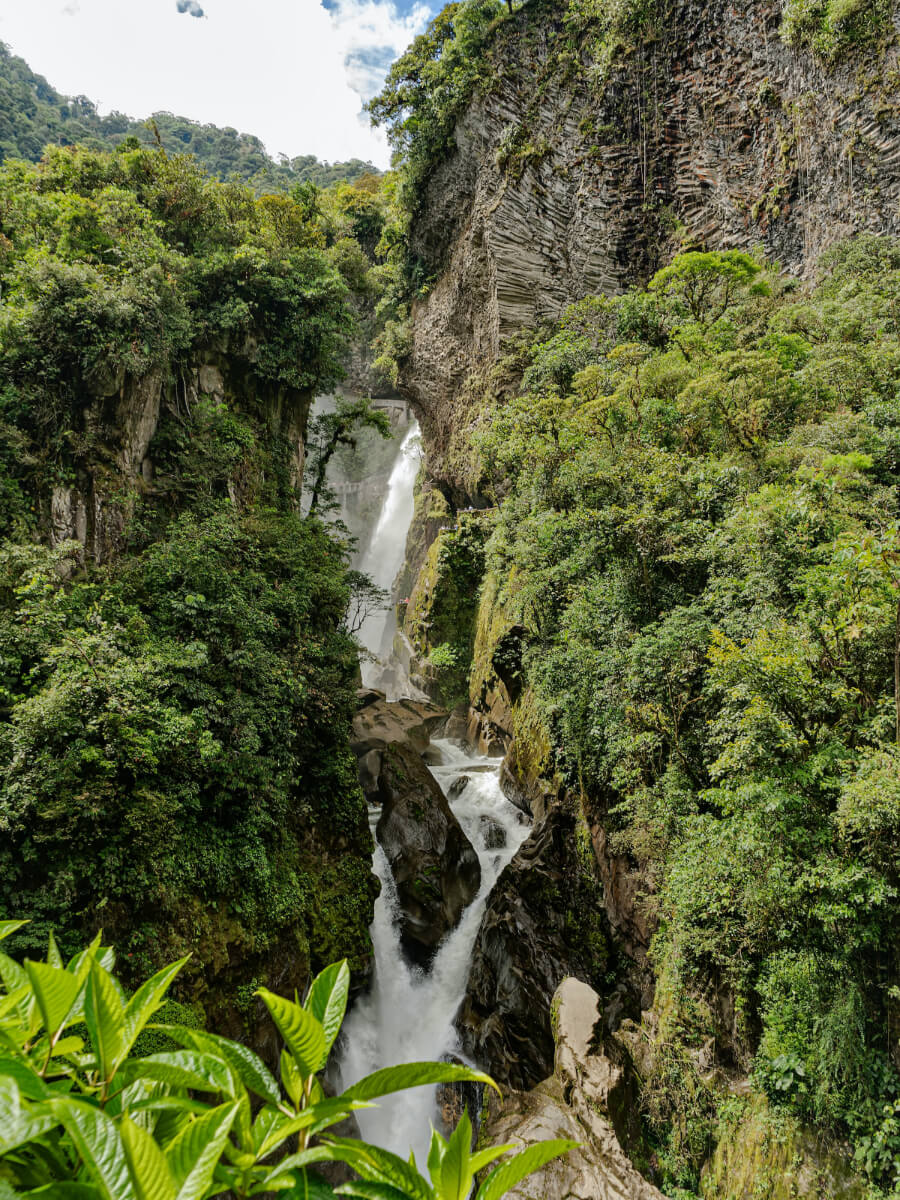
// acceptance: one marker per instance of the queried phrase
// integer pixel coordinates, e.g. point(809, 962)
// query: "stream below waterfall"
point(408, 1013)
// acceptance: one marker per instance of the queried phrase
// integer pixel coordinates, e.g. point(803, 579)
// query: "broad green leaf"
point(369, 1190)
point(408, 1075)
point(327, 999)
point(435, 1154)
point(104, 1015)
point(308, 1187)
point(484, 1158)
point(315, 1118)
point(83, 959)
point(159, 1104)
point(8, 927)
point(291, 1078)
point(26, 1079)
point(505, 1177)
point(55, 991)
point(54, 958)
point(150, 1172)
point(289, 1165)
point(99, 1145)
point(303, 1034)
point(455, 1180)
point(15, 980)
point(381, 1166)
point(248, 1067)
point(193, 1155)
point(68, 1045)
point(146, 1000)
point(20, 1122)
point(181, 1069)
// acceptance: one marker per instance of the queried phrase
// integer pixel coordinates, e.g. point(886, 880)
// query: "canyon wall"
point(571, 175)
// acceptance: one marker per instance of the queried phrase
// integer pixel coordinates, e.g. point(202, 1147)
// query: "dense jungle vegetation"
point(697, 529)
point(34, 115)
point(175, 696)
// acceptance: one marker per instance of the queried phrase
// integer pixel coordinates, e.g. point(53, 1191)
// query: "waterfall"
point(408, 1014)
point(382, 562)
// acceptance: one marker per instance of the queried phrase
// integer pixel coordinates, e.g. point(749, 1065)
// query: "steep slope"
point(177, 680)
point(679, 491)
point(593, 150)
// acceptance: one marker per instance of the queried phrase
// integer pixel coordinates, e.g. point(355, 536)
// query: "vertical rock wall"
point(707, 130)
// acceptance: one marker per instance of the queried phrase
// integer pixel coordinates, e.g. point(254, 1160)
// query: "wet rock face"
point(435, 868)
point(583, 1100)
point(544, 920)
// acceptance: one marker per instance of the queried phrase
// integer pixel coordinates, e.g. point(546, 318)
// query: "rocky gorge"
point(579, 169)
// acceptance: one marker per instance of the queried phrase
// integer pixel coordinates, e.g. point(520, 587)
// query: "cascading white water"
point(408, 1014)
point(384, 558)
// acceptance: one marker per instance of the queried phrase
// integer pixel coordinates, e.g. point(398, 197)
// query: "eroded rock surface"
point(435, 868)
point(380, 723)
point(711, 122)
point(544, 920)
point(584, 1099)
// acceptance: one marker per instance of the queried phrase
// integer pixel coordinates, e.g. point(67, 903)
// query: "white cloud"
point(289, 71)
point(372, 34)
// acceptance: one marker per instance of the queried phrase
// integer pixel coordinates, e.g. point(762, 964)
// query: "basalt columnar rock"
point(435, 868)
point(587, 1099)
point(585, 162)
point(544, 920)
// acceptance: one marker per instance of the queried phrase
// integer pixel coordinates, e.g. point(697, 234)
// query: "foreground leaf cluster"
point(84, 1114)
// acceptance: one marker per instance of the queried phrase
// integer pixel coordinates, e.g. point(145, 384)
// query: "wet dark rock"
point(494, 834)
point(453, 1100)
point(544, 920)
point(380, 723)
point(457, 787)
point(435, 868)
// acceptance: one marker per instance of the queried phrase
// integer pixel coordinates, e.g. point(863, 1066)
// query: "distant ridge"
point(33, 114)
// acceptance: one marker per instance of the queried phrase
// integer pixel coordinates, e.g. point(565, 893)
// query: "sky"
point(293, 72)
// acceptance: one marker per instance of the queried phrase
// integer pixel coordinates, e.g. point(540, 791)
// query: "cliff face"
point(572, 176)
point(122, 415)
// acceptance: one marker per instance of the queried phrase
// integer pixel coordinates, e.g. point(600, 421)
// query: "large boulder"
point(544, 920)
point(436, 871)
point(583, 1100)
point(380, 723)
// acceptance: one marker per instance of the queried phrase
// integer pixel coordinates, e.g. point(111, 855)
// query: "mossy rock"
point(763, 1155)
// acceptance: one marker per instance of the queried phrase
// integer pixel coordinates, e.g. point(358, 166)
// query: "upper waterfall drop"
point(382, 562)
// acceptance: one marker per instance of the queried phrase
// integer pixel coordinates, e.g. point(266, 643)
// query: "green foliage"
point(175, 729)
point(440, 617)
point(176, 692)
point(126, 267)
point(332, 430)
point(33, 115)
point(206, 1118)
point(697, 530)
point(833, 27)
point(428, 87)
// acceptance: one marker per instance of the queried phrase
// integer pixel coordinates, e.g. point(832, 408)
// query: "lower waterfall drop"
point(408, 1014)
